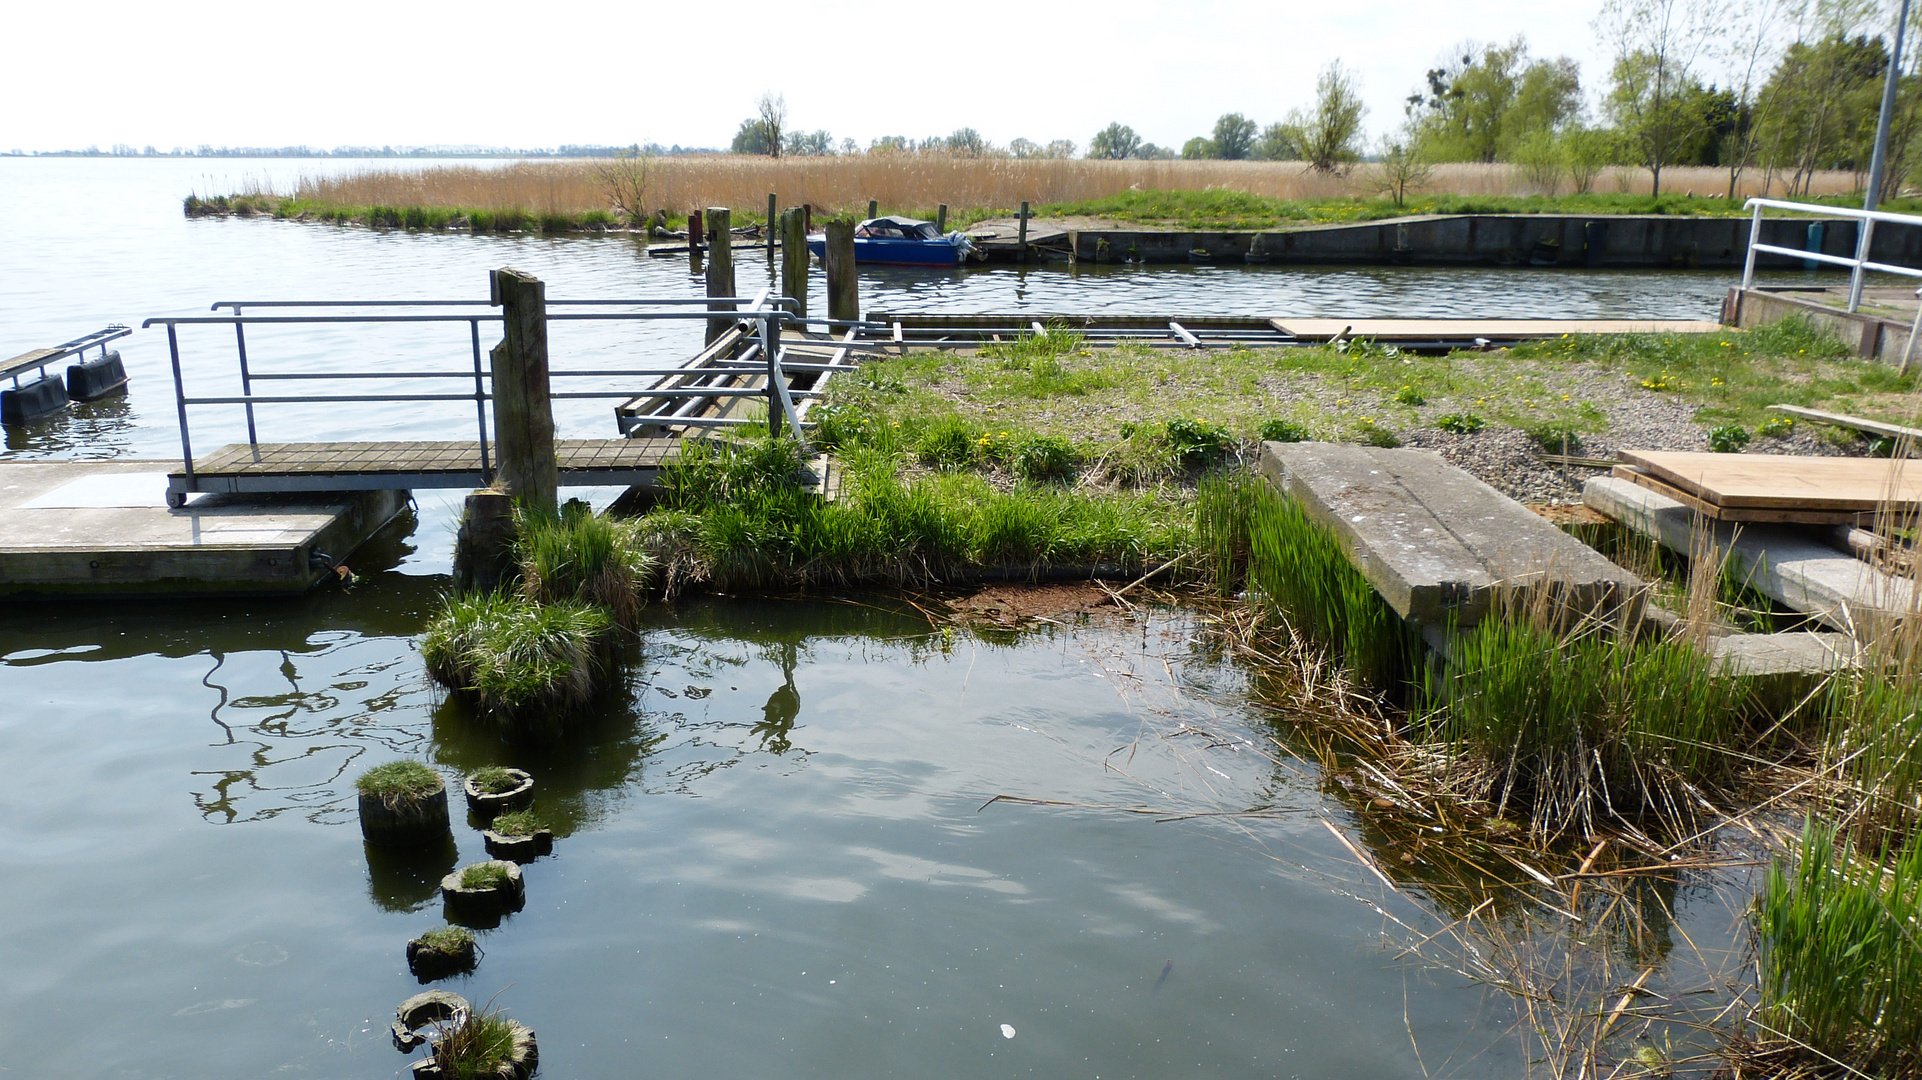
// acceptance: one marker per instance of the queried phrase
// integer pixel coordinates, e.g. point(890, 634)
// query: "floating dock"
point(103, 529)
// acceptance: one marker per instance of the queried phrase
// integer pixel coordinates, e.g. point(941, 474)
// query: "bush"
point(1196, 442)
point(1408, 395)
point(1044, 457)
point(1278, 430)
point(1461, 423)
point(584, 557)
point(1728, 439)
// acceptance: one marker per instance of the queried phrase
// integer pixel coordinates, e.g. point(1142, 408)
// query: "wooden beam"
point(720, 266)
point(844, 296)
point(1873, 427)
point(523, 410)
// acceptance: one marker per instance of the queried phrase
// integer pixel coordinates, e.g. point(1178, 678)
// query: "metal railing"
point(1859, 265)
point(40, 358)
point(765, 315)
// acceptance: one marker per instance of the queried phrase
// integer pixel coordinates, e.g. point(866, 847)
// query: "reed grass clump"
point(1839, 944)
point(485, 875)
point(520, 660)
point(495, 779)
point(1587, 723)
point(398, 783)
point(519, 823)
point(483, 1046)
point(1876, 737)
point(581, 557)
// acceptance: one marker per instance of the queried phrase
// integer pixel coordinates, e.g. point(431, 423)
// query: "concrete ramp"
point(1439, 545)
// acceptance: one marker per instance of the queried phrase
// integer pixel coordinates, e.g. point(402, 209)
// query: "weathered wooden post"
point(794, 259)
point(874, 208)
point(523, 411)
point(773, 209)
point(694, 240)
point(720, 266)
point(844, 298)
point(1021, 240)
point(941, 219)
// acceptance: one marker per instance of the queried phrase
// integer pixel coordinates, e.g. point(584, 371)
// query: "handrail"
point(769, 314)
point(40, 358)
point(1859, 265)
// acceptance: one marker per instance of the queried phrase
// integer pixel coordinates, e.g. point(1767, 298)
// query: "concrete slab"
point(1795, 653)
point(1439, 545)
point(1787, 563)
point(102, 528)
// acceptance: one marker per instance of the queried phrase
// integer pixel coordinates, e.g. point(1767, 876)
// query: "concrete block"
point(1790, 564)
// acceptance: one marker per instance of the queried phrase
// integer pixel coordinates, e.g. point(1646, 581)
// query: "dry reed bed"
point(911, 182)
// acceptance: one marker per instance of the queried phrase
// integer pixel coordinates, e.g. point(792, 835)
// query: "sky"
point(399, 72)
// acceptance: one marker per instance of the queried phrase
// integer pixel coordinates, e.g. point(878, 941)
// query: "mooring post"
point(694, 236)
point(1021, 239)
point(941, 219)
point(844, 300)
point(484, 547)
point(523, 411)
point(773, 208)
point(794, 259)
point(720, 266)
point(874, 208)
point(807, 218)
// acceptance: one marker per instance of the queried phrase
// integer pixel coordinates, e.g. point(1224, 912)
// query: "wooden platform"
point(377, 466)
point(1439, 545)
point(1776, 488)
point(1497, 331)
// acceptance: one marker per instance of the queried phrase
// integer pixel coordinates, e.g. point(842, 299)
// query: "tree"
point(1058, 148)
point(1404, 164)
point(1234, 137)
point(890, 144)
point(1586, 152)
point(1654, 97)
point(1278, 144)
point(1487, 99)
point(1328, 137)
point(809, 144)
point(750, 139)
point(1022, 148)
point(966, 142)
point(625, 181)
point(1822, 103)
point(772, 110)
point(1115, 142)
point(1198, 148)
point(1543, 159)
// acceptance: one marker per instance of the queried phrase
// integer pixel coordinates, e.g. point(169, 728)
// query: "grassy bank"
point(1191, 194)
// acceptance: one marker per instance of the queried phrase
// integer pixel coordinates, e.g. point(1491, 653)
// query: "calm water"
point(775, 858)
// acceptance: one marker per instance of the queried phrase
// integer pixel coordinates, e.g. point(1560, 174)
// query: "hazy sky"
point(577, 71)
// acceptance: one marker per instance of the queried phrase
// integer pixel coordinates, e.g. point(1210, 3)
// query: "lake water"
point(776, 856)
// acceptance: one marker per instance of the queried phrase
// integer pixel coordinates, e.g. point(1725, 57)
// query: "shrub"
point(1728, 439)
point(1196, 442)
point(1461, 423)
point(1044, 457)
point(1279, 430)
point(1408, 395)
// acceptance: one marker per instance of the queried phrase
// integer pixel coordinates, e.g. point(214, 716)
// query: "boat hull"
point(897, 252)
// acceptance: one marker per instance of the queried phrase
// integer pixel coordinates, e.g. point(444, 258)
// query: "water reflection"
point(85, 430)
point(783, 705)
point(408, 879)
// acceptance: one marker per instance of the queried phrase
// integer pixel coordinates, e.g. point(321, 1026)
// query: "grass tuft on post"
point(398, 782)
point(583, 557)
point(520, 661)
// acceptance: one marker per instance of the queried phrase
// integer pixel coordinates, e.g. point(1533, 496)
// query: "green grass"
point(413, 218)
point(399, 781)
point(475, 1049)
point(485, 875)
point(449, 940)
point(519, 823)
point(494, 779)
point(1579, 726)
point(579, 556)
point(520, 660)
point(1876, 731)
point(1840, 953)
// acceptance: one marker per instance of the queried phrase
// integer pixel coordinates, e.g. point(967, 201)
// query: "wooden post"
point(484, 548)
point(874, 208)
point(807, 218)
point(941, 219)
point(794, 258)
point(772, 211)
point(694, 237)
point(523, 412)
point(844, 297)
point(720, 265)
point(1021, 241)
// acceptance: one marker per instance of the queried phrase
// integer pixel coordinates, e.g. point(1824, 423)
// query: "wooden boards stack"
point(1776, 487)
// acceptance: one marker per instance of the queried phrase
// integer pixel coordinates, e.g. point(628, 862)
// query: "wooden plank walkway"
point(372, 466)
point(1776, 487)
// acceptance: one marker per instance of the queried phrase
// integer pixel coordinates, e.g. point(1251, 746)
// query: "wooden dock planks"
point(1495, 330)
point(1776, 487)
point(350, 466)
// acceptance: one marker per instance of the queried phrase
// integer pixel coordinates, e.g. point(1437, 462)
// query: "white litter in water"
point(1007, 1031)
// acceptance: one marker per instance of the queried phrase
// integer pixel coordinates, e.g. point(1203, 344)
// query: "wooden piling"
point(773, 209)
point(523, 410)
point(694, 237)
point(874, 208)
point(794, 258)
point(1021, 240)
point(941, 219)
point(720, 266)
point(484, 547)
point(844, 298)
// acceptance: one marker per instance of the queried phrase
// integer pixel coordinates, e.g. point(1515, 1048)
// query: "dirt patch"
point(1575, 514)
point(1009, 606)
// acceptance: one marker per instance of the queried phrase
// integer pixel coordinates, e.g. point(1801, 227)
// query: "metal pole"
point(771, 208)
point(480, 403)
point(1754, 237)
point(1876, 159)
point(1864, 237)
point(768, 346)
point(246, 379)
point(180, 403)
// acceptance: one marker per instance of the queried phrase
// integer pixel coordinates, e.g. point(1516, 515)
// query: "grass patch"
point(578, 556)
point(1840, 954)
point(480, 1047)
point(518, 659)
point(399, 782)
point(484, 876)
point(519, 823)
point(494, 779)
point(450, 940)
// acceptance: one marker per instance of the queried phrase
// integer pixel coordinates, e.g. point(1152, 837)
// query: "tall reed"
point(522, 662)
point(584, 557)
point(1839, 943)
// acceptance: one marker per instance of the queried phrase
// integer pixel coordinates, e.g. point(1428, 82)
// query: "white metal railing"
point(1858, 266)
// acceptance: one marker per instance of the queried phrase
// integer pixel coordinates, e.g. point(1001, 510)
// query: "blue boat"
point(900, 241)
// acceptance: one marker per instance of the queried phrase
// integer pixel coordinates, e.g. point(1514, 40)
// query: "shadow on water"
point(405, 879)
point(90, 430)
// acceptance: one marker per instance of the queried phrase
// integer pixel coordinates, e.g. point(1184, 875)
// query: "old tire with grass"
point(496, 790)
point(402, 804)
point(435, 1007)
point(520, 836)
point(441, 952)
point(486, 1046)
point(484, 890)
